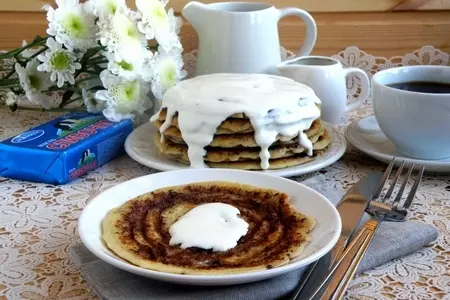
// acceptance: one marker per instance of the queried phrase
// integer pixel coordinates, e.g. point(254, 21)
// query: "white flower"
point(33, 82)
point(157, 23)
point(92, 105)
point(168, 71)
point(131, 70)
point(11, 99)
point(123, 98)
point(120, 34)
point(104, 8)
point(60, 62)
point(31, 79)
point(71, 24)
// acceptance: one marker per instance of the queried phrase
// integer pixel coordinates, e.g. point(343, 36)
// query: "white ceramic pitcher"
point(242, 37)
point(327, 77)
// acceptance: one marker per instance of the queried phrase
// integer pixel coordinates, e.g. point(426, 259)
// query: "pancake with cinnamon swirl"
point(139, 230)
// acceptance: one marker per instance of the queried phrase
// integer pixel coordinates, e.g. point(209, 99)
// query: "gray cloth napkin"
point(391, 241)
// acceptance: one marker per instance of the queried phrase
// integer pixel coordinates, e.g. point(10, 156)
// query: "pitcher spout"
point(193, 12)
point(287, 68)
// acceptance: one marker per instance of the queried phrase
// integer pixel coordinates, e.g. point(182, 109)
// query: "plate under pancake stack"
point(234, 145)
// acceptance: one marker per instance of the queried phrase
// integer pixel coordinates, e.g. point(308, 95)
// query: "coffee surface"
point(423, 87)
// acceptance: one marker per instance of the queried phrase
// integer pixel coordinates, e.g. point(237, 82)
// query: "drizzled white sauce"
point(275, 106)
point(215, 226)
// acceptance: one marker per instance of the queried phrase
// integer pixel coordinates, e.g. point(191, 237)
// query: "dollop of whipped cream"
point(215, 226)
point(275, 106)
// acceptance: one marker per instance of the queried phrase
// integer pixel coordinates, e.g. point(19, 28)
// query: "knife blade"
point(351, 209)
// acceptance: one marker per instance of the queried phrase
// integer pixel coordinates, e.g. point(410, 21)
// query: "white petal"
point(60, 80)
point(18, 68)
point(102, 95)
point(53, 76)
point(51, 43)
point(71, 79)
point(42, 57)
point(103, 75)
point(111, 115)
point(41, 68)
point(58, 46)
point(60, 41)
point(117, 56)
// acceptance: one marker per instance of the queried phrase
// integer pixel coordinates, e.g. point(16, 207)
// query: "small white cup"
point(418, 124)
point(327, 77)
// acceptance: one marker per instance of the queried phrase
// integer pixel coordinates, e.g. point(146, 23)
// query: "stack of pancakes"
point(234, 145)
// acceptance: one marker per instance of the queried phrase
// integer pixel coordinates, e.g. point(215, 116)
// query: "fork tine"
point(402, 188)
point(394, 183)
point(412, 192)
point(384, 179)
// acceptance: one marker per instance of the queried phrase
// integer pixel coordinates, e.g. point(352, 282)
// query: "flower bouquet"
point(99, 56)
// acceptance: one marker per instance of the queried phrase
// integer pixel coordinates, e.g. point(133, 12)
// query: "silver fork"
point(380, 209)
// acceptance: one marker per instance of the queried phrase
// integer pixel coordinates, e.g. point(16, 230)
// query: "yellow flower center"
point(74, 25)
point(126, 66)
point(168, 74)
point(60, 61)
point(35, 81)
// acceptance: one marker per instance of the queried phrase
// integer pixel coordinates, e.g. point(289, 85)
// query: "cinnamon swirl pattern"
point(138, 231)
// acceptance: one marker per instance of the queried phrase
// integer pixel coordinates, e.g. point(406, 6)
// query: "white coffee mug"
point(327, 77)
point(417, 123)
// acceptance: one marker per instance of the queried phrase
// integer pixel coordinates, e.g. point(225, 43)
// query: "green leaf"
point(5, 81)
point(37, 38)
point(98, 69)
point(97, 88)
point(66, 97)
point(92, 52)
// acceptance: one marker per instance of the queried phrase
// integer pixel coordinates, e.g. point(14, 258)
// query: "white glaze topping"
point(215, 226)
point(275, 106)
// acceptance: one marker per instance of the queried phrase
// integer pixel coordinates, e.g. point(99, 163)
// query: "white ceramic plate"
point(141, 147)
point(323, 237)
point(366, 135)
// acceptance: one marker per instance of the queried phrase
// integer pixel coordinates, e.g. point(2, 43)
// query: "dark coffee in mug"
point(423, 87)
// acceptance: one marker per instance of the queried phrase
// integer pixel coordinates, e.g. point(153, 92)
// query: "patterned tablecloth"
point(38, 222)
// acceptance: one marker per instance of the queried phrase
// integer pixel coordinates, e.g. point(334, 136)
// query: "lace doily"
point(38, 221)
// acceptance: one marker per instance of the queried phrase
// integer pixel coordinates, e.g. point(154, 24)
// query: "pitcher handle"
point(311, 29)
point(365, 87)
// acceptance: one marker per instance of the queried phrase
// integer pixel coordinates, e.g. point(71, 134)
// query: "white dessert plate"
point(323, 237)
point(366, 136)
point(141, 147)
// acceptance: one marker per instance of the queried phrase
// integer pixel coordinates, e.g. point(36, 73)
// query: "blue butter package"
point(63, 149)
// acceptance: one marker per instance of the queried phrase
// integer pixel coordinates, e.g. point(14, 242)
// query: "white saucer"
point(366, 136)
point(323, 237)
point(141, 147)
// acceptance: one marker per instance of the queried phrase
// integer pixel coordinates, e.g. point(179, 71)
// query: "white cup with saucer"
point(412, 108)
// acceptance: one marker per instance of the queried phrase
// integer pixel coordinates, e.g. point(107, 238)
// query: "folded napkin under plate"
point(115, 284)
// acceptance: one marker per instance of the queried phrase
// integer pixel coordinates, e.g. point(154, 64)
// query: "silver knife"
point(351, 209)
